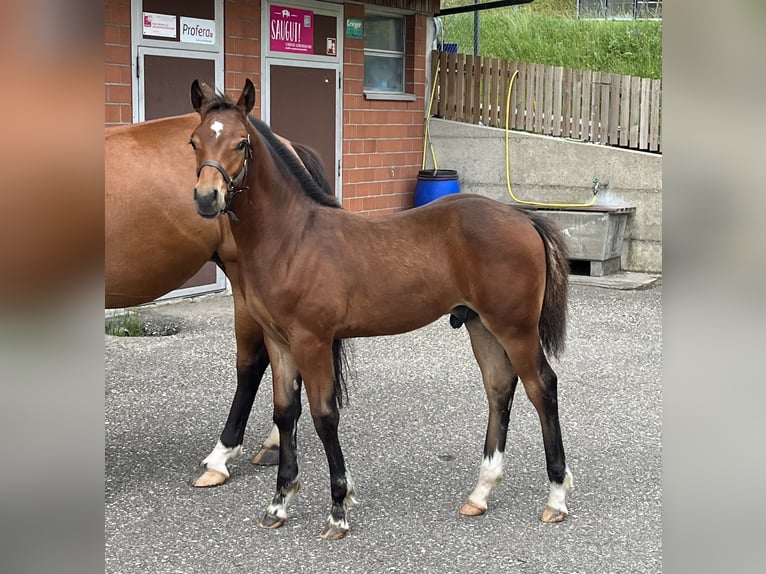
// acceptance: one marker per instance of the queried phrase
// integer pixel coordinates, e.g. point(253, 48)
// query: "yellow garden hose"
point(427, 137)
point(507, 164)
point(427, 142)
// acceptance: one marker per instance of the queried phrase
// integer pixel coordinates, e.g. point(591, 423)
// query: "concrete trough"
point(594, 234)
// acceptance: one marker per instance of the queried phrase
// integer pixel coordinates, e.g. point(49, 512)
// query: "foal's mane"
point(280, 152)
point(283, 156)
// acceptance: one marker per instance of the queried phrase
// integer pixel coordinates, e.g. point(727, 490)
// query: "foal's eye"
point(242, 145)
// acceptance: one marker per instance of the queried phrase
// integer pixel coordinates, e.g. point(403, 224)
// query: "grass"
point(549, 33)
point(128, 324)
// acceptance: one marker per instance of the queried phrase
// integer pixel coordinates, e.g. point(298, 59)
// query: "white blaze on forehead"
point(217, 128)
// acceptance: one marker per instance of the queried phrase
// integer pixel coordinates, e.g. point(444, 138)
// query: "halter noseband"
point(233, 186)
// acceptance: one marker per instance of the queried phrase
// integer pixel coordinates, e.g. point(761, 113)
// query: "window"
point(384, 54)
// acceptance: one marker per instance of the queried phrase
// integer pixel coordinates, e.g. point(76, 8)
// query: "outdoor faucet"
point(597, 184)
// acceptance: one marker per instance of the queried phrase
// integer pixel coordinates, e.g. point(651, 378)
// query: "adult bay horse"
point(153, 247)
point(501, 272)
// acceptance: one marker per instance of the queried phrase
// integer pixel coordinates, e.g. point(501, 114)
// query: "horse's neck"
point(274, 207)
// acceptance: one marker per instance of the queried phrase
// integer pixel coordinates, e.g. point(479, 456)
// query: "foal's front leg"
point(315, 360)
point(252, 361)
point(287, 410)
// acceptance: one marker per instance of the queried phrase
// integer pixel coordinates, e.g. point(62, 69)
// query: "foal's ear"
point(247, 98)
point(200, 94)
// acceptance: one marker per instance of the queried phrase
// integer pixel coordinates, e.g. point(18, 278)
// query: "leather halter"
point(233, 185)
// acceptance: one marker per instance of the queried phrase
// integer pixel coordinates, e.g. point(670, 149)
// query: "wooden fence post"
point(612, 109)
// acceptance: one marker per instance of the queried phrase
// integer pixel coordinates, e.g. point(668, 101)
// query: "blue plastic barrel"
point(435, 183)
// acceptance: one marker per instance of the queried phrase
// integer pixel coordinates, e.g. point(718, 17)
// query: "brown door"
point(302, 109)
point(166, 82)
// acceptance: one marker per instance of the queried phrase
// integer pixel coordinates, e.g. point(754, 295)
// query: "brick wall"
point(117, 72)
point(382, 140)
point(242, 52)
point(242, 47)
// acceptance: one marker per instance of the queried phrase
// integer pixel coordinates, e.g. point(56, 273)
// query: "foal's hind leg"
point(540, 383)
point(229, 445)
point(252, 361)
point(500, 384)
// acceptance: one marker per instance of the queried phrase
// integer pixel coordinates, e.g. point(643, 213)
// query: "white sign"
point(159, 25)
point(197, 31)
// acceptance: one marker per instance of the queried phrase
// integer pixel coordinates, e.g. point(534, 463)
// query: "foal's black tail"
point(340, 370)
point(553, 318)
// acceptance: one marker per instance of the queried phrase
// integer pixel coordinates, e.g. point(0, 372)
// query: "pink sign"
point(291, 30)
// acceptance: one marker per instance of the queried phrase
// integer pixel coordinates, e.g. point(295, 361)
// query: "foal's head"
point(222, 146)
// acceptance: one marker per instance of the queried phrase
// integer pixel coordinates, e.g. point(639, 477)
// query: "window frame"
point(371, 93)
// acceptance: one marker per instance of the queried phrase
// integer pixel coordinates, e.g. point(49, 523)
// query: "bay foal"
point(501, 271)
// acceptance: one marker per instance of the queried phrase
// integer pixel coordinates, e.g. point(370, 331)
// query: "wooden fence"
point(591, 106)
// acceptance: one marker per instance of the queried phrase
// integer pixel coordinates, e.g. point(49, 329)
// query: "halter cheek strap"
point(233, 186)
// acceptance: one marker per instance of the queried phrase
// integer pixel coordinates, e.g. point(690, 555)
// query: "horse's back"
point(474, 221)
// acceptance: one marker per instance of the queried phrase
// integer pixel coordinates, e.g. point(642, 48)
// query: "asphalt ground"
point(412, 437)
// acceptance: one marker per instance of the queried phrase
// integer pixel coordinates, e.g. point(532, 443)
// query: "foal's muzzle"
point(208, 205)
point(214, 202)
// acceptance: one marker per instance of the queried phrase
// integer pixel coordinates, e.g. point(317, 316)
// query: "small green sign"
point(354, 28)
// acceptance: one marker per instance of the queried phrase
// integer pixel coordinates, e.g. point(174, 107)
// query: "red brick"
point(112, 114)
point(112, 74)
point(234, 63)
point(126, 113)
point(111, 34)
point(252, 66)
point(234, 26)
point(126, 75)
point(117, 14)
point(117, 55)
point(119, 94)
point(355, 204)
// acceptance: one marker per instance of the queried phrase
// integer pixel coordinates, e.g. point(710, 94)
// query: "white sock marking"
point(557, 496)
point(273, 438)
point(217, 459)
point(280, 509)
point(350, 499)
point(342, 524)
point(490, 475)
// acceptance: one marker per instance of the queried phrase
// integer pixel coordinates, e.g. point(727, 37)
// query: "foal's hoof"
point(551, 515)
point(267, 456)
point(271, 521)
point(471, 509)
point(208, 478)
point(333, 531)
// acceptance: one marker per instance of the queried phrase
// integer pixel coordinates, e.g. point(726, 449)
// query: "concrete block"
point(594, 236)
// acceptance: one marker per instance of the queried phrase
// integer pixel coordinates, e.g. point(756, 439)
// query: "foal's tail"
point(340, 370)
point(553, 318)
